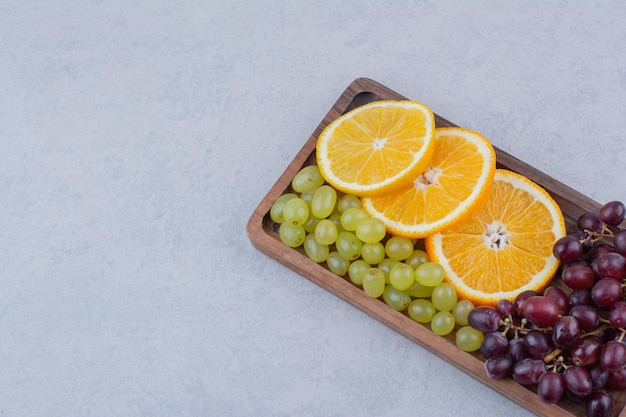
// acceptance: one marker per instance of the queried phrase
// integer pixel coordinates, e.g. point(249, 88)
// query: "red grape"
point(505, 307)
point(578, 276)
point(540, 310)
point(517, 350)
point(499, 367)
point(588, 317)
point(591, 222)
point(599, 404)
point(585, 352)
point(606, 292)
point(600, 249)
point(599, 376)
point(550, 387)
point(580, 297)
point(612, 265)
point(559, 296)
point(612, 213)
point(567, 249)
point(577, 380)
point(613, 356)
point(527, 371)
point(617, 379)
point(538, 343)
point(617, 314)
point(566, 331)
point(494, 344)
point(619, 242)
point(484, 318)
point(519, 300)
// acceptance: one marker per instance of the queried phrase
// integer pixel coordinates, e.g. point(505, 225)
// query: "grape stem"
point(550, 356)
point(594, 237)
point(508, 323)
point(559, 362)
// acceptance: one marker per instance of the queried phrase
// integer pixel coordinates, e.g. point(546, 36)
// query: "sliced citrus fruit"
point(376, 148)
point(455, 184)
point(506, 247)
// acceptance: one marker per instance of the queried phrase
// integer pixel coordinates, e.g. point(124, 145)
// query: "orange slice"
point(453, 186)
point(376, 148)
point(506, 247)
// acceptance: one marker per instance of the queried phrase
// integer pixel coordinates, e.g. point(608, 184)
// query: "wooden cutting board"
point(264, 237)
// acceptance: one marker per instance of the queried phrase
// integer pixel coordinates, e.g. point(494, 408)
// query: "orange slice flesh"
point(453, 186)
point(376, 148)
point(506, 247)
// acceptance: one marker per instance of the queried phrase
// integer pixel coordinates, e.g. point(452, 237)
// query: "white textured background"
point(136, 138)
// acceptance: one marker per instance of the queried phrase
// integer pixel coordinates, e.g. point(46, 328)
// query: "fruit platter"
point(504, 272)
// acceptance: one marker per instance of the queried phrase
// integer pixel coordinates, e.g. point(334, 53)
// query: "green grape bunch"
point(334, 230)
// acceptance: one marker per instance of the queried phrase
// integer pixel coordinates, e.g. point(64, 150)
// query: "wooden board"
point(264, 237)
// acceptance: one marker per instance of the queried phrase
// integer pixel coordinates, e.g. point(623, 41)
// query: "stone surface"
point(136, 138)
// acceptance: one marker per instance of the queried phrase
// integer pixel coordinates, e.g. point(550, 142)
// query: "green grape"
point(371, 230)
point(314, 250)
point(323, 202)
point(385, 265)
point(290, 235)
point(337, 264)
point(416, 258)
point(276, 212)
point(373, 253)
point(430, 274)
point(444, 297)
point(402, 276)
point(347, 201)
point(357, 270)
point(296, 211)
point(348, 245)
point(307, 178)
point(396, 299)
point(326, 232)
point(398, 248)
point(351, 217)
point(469, 339)
point(461, 312)
point(418, 290)
point(442, 323)
point(421, 310)
point(307, 196)
point(336, 218)
point(374, 282)
point(311, 224)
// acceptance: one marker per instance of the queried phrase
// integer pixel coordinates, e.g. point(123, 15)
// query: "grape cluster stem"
point(595, 237)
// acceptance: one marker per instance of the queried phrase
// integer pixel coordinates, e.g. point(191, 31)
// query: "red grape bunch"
point(569, 343)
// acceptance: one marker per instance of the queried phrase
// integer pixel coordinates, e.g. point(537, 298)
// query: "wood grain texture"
point(264, 237)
